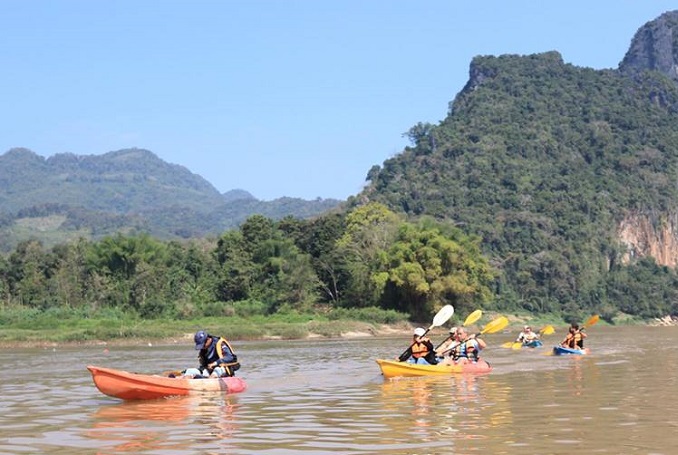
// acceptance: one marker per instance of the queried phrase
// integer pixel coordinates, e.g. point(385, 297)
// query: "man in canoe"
point(216, 357)
point(461, 348)
point(575, 338)
point(421, 351)
point(527, 335)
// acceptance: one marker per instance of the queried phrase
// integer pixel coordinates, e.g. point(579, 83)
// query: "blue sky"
point(295, 98)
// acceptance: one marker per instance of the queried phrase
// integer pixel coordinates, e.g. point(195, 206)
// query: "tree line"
point(367, 257)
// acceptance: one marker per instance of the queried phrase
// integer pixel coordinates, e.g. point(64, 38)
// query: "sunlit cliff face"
point(646, 237)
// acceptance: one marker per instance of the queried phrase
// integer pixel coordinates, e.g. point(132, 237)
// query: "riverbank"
point(107, 332)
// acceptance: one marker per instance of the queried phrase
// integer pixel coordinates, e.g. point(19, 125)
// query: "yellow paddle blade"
point(548, 330)
point(507, 345)
point(517, 345)
point(473, 317)
point(496, 325)
point(592, 320)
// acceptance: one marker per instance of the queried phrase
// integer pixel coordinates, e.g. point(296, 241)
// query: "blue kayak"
point(559, 350)
point(533, 344)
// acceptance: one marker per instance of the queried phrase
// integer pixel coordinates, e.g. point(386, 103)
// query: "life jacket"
point(420, 349)
point(466, 349)
point(574, 340)
point(220, 348)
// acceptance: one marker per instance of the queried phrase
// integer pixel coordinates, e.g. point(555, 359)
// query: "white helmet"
point(419, 331)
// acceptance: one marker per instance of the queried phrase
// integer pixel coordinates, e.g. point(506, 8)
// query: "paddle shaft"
point(491, 327)
point(470, 319)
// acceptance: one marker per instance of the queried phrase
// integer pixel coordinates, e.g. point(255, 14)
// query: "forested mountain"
point(567, 173)
point(67, 196)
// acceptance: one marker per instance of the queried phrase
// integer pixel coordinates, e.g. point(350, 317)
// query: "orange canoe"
point(134, 386)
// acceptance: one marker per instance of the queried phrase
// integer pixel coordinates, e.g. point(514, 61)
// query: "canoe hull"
point(393, 368)
point(134, 386)
point(559, 350)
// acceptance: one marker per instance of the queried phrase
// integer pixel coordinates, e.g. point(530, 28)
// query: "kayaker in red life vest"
point(461, 348)
point(421, 351)
point(216, 357)
point(575, 338)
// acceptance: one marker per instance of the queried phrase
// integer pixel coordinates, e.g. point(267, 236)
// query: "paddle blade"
point(592, 320)
point(473, 317)
point(548, 330)
point(517, 345)
point(442, 316)
point(496, 325)
point(507, 345)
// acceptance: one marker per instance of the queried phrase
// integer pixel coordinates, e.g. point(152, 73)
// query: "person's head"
point(453, 332)
point(419, 332)
point(200, 339)
point(461, 334)
point(527, 328)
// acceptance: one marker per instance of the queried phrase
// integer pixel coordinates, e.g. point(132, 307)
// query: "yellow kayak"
point(393, 368)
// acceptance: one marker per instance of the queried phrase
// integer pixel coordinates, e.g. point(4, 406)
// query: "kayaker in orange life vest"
point(575, 338)
point(216, 357)
point(421, 351)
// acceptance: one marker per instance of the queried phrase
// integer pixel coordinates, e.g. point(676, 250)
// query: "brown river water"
point(328, 397)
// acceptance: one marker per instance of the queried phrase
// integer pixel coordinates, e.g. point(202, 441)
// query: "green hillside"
point(544, 160)
point(67, 196)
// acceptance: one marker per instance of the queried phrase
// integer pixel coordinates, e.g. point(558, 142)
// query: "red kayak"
point(135, 386)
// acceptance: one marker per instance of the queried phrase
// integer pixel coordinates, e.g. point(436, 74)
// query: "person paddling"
point(575, 338)
point(464, 349)
point(527, 335)
point(421, 350)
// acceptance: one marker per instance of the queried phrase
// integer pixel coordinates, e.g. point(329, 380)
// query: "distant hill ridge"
point(125, 190)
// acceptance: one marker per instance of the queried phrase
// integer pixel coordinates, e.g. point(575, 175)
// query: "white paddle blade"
point(443, 315)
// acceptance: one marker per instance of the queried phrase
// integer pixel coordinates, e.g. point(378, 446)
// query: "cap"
point(419, 332)
point(453, 330)
point(200, 338)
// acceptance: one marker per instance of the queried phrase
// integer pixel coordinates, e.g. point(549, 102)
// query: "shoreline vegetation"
point(45, 330)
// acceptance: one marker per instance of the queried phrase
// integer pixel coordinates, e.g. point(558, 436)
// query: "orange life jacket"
point(419, 349)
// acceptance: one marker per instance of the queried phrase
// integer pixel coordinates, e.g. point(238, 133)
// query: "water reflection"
point(135, 427)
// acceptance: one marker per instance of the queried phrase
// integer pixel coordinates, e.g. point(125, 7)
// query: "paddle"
point(491, 327)
point(470, 319)
point(548, 330)
point(591, 321)
point(439, 319)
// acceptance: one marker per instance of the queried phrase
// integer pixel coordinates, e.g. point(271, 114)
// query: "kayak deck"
point(393, 368)
point(134, 386)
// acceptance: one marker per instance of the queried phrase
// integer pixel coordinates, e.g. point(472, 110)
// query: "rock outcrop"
point(646, 236)
point(654, 47)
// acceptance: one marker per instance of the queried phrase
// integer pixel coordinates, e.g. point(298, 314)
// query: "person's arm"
point(405, 355)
